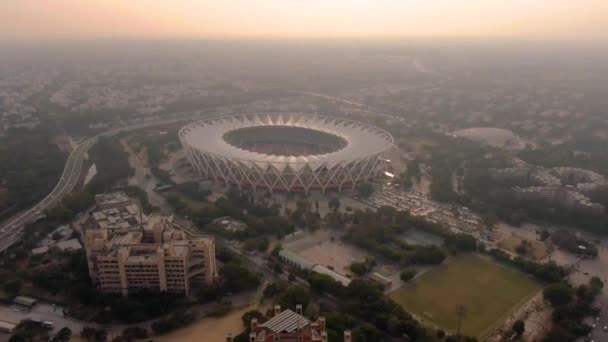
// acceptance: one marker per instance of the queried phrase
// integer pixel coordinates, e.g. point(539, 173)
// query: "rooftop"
point(286, 321)
point(361, 140)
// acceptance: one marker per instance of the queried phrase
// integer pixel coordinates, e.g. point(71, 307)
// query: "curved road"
point(11, 231)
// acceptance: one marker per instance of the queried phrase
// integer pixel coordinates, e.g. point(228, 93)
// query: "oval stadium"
point(286, 152)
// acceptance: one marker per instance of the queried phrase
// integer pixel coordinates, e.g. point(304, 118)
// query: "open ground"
point(325, 248)
point(488, 291)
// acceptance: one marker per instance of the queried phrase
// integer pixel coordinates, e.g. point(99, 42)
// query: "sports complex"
point(286, 151)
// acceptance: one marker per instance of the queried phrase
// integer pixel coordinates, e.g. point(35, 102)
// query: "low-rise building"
point(25, 301)
point(333, 274)
point(288, 325)
point(295, 260)
point(381, 279)
point(7, 327)
point(116, 211)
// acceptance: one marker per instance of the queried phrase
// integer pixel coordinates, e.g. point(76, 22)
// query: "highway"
point(11, 231)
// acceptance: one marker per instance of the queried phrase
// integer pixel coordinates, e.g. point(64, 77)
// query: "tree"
point(295, 295)
point(407, 274)
point(249, 315)
point(320, 283)
point(367, 333)
point(522, 248)
point(13, 286)
point(596, 285)
point(63, 335)
point(132, 333)
point(358, 268)
point(274, 289)
point(519, 327)
point(334, 203)
point(365, 189)
point(237, 278)
point(95, 335)
point(176, 320)
point(461, 243)
point(440, 334)
point(276, 250)
point(558, 294)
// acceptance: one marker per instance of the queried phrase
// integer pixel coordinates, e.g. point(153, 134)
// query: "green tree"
point(132, 333)
point(358, 268)
point(276, 250)
point(320, 283)
point(249, 315)
point(367, 333)
point(519, 327)
point(63, 335)
point(334, 203)
point(237, 278)
point(295, 295)
point(558, 294)
point(13, 286)
point(365, 189)
point(407, 274)
point(596, 285)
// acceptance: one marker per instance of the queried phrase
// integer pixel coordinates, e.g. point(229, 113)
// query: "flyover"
point(12, 231)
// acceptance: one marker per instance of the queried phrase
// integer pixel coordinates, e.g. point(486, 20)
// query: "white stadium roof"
point(362, 139)
point(336, 154)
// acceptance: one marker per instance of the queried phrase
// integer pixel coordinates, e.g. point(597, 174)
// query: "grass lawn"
point(488, 291)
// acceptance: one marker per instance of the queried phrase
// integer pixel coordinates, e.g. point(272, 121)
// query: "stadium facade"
point(286, 151)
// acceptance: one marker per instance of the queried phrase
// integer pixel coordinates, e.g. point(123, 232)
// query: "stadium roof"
point(363, 140)
point(287, 321)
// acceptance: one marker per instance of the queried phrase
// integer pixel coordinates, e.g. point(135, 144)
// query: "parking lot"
point(455, 218)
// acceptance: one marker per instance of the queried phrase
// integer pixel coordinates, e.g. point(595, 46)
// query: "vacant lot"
point(537, 250)
point(324, 248)
point(334, 254)
point(487, 290)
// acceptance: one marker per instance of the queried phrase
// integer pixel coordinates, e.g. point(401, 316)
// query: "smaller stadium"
point(286, 152)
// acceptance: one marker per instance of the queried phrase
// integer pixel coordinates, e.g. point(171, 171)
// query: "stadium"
point(286, 152)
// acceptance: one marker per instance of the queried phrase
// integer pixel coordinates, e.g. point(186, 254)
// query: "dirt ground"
point(538, 249)
point(536, 315)
point(509, 237)
point(320, 248)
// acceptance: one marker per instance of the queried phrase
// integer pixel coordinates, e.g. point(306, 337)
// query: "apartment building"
point(155, 255)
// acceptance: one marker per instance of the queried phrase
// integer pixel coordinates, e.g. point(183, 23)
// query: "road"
point(144, 179)
point(12, 231)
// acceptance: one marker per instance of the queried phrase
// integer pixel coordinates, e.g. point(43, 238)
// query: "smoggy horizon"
point(29, 20)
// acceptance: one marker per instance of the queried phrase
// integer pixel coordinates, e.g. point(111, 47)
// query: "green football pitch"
point(488, 291)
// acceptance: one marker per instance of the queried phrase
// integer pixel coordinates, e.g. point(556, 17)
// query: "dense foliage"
point(571, 306)
point(30, 166)
point(548, 272)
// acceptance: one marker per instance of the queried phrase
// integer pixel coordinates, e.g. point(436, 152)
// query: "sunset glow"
point(554, 19)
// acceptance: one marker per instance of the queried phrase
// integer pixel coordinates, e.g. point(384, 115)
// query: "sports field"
point(487, 290)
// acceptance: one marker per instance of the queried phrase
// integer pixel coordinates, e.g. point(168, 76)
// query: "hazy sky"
point(59, 19)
